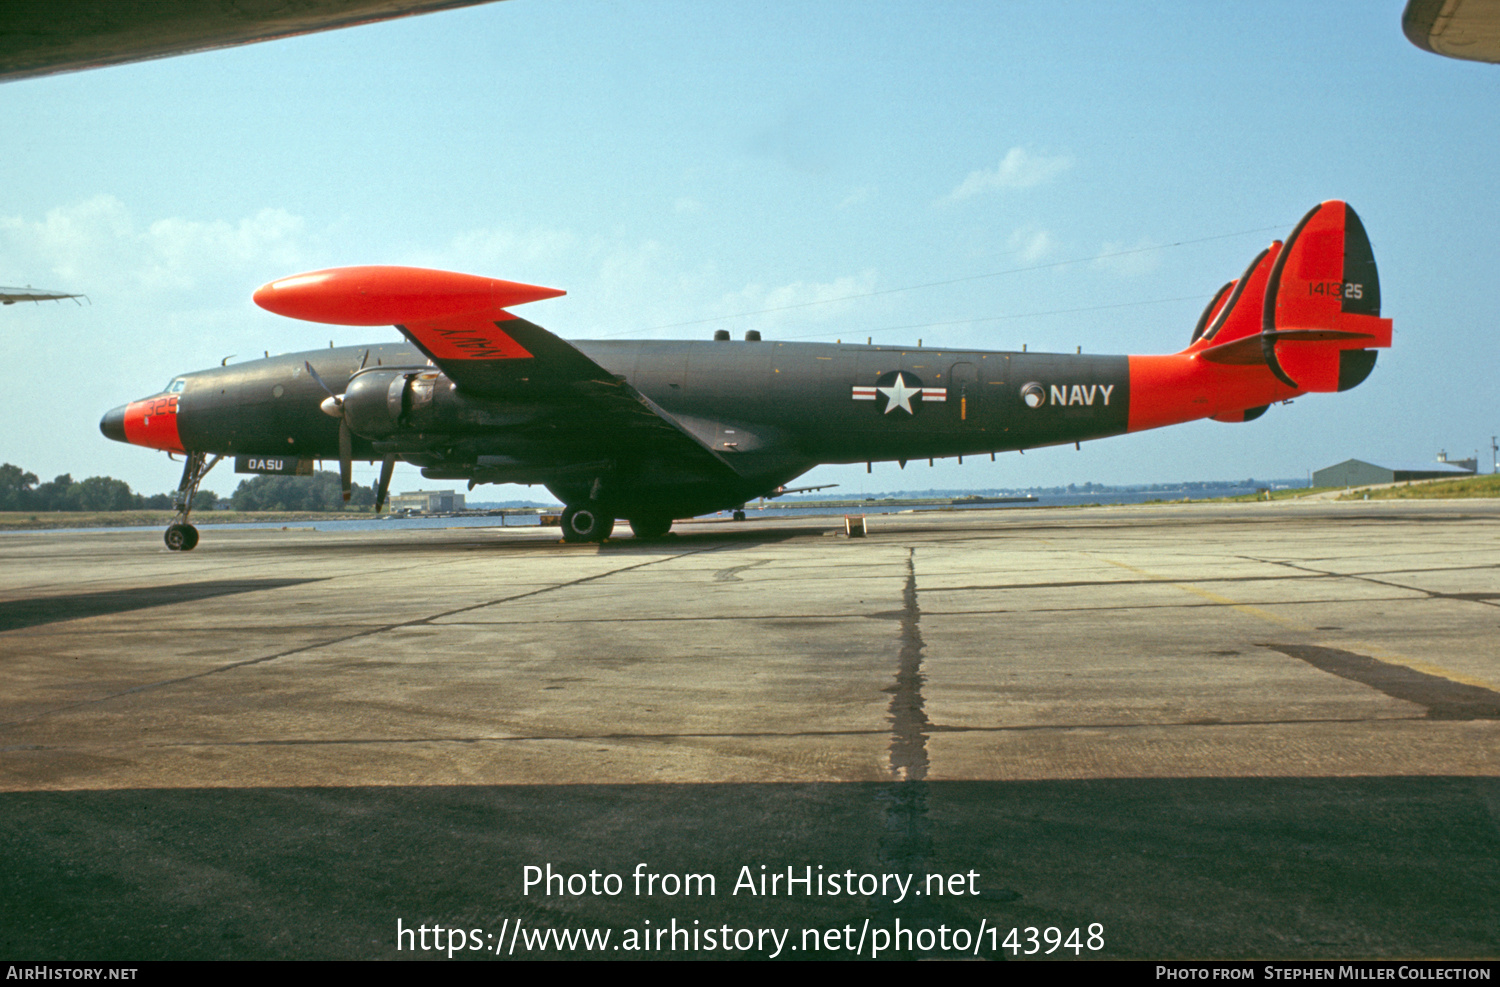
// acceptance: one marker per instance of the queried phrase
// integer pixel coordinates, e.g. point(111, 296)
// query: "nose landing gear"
point(181, 536)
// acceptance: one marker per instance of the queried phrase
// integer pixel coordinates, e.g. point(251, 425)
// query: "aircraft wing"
point(459, 322)
point(538, 367)
point(783, 491)
point(9, 296)
point(39, 37)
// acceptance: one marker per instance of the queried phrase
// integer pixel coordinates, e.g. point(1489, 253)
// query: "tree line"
point(20, 490)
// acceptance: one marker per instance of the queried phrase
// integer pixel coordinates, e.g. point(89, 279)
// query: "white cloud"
point(1017, 170)
point(493, 252)
point(96, 245)
point(625, 269)
point(1129, 260)
point(1031, 244)
point(798, 303)
point(857, 197)
point(612, 283)
point(687, 204)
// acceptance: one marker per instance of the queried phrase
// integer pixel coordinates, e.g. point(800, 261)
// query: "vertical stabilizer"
point(1321, 320)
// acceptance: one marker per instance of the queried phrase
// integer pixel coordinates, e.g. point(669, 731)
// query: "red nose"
point(151, 423)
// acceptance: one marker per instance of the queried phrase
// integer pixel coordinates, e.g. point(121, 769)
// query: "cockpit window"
point(176, 386)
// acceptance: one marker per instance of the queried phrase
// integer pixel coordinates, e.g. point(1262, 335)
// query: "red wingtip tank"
point(382, 296)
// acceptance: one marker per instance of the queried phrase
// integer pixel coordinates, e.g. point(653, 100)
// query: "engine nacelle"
point(381, 404)
point(373, 402)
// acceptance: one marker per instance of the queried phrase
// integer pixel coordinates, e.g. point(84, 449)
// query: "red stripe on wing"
point(466, 337)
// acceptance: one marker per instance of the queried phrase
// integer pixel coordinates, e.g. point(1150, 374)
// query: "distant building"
point(1363, 473)
point(428, 501)
point(1472, 465)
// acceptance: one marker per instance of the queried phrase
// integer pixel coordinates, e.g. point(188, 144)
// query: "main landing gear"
point(651, 526)
point(590, 522)
point(586, 522)
point(181, 536)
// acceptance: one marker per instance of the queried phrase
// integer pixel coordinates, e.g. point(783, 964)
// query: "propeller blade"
point(346, 458)
point(321, 383)
point(387, 467)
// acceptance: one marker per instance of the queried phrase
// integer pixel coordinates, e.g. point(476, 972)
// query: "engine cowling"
point(381, 404)
point(374, 403)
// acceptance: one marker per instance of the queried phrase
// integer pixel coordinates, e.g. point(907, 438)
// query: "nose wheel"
point(181, 536)
point(586, 522)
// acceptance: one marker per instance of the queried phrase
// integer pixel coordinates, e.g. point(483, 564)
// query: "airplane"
point(653, 431)
point(9, 296)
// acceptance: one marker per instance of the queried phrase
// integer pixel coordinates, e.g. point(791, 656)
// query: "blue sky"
point(667, 163)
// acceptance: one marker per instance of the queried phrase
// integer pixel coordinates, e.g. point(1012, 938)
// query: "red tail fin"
point(1321, 320)
point(1211, 312)
point(1239, 317)
point(1305, 316)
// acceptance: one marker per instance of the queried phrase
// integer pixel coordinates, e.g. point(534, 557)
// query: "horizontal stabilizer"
point(1251, 350)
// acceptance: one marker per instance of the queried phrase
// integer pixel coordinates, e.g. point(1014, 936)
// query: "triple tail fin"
point(1308, 310)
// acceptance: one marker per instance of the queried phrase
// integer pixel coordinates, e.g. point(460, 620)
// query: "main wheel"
point(586, 523)
point(739, 515)
point(651, 525)
point(181, 537)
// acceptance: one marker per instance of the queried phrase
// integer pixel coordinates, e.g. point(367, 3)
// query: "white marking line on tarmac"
point(1380, 654)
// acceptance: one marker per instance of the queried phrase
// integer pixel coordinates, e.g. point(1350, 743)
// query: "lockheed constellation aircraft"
point(652, 431)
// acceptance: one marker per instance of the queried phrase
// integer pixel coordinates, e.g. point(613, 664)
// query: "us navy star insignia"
point(901, 390)
point(899, 395)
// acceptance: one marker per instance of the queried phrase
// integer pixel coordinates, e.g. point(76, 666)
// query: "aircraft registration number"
point(1335, 289)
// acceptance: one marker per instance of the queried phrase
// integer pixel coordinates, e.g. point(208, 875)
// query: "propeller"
point(387, 467)
point(333, 406)
point(346, 458)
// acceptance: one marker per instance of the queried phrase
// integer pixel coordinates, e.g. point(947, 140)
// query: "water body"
point(780, 510)
point(1097, 497)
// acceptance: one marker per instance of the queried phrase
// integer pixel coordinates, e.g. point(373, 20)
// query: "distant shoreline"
point(1486, 485)
point(45, 520)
